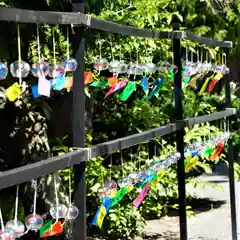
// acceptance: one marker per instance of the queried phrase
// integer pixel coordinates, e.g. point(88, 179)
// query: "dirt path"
point(213, 223)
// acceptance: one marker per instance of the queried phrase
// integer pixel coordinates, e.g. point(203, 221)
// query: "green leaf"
point(179, 16)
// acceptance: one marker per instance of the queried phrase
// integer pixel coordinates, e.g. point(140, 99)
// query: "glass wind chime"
point(50, 76)
point(34, 222)
point(60, 213)
point(200, 76)
point(112, 192)
point(203, 76)
point(145, 71)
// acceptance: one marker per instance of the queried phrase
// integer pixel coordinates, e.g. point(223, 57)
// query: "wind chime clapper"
point(144, 71)
point(202, 76)
point(49, 75)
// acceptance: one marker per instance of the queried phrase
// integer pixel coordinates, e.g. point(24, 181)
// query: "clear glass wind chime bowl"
point(132, 70)
point(3, 70)
point(101, 64)
point(59, 211)
point(114, 66)
point(125, 182)
point(72, 212)
point(17, 227)
point(70, 65)
point(56, 71)
point(107, 188)
point(39, 69)
point(150, 68)
point(19, 70)
point(33, 222)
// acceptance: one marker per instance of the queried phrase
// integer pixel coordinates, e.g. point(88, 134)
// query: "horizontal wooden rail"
point(35, 170)
point(30, 16)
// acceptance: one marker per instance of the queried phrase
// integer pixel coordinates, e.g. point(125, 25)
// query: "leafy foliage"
point(111, 117)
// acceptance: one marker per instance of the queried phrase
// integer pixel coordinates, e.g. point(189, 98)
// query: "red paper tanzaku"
point(217, 151)
point(112, 81)
point(56, 229)
point(68, 83)
point(88, 77)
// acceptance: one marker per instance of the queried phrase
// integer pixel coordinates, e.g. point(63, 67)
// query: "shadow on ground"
point(163, 236)
point(218, 181)
point(200, 205)
point(205, 204)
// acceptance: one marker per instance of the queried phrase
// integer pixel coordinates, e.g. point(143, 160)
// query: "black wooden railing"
point(79, 155)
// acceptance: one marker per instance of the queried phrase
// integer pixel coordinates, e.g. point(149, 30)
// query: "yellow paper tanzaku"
point(13, 92)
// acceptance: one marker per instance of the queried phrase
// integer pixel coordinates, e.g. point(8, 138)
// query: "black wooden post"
point(231, 155)
point(78, 124)
point(180, 136)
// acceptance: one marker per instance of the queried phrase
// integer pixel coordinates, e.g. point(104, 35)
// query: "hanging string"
point(122, 163)
point(120, 58)
point(102, 175)
point(201, 52)
point(111, 45)
point(131, 154)
point(186, 54)
point(38, 45)
point(68, 44)
point(56, 195)
point(110, 167)
point(147, 150)
point(35, 198)
point(137, 55)
point(139, 159)
point(70, 187)
point(100, 49)
point(155, 148)
point(148, 154)
point(224, 60)
point(1, 221)
point(16, 205)
point(19, 54)
point(225, 126)
point(197, 54)
point(54, 53)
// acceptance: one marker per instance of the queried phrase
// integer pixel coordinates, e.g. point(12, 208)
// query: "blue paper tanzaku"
point(156, 86)
point(59, 83)
point(107, 204)
point(35, 92)
point(144, 83)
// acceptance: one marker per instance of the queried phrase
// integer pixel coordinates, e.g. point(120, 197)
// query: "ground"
point(214, 220)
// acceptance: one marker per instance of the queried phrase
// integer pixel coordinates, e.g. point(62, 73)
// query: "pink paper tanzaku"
point(116, 87)
point(141, 195)
point(44, 86)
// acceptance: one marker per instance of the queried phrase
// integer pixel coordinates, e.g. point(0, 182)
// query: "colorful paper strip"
point(141, 196)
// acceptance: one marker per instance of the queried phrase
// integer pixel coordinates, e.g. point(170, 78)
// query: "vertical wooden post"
point(78, 125)
point(231, 156)
point(180, 136)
